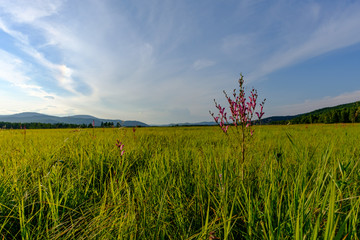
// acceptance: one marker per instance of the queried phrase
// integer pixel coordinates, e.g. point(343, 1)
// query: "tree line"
point(109, 124)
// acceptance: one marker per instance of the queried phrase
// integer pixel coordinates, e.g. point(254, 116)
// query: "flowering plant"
point(242, 112)
point(120, 146)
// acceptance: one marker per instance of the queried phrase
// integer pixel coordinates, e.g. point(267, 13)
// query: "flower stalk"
point(120, 146)
point(242, 111)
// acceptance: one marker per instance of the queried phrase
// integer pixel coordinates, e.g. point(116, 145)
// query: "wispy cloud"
point(238, 41)
point(203, 63)
point(29, 15)
point(14, 71)
point(21, 11)
point(15, 34)
point(144, 59)
point(331, 33)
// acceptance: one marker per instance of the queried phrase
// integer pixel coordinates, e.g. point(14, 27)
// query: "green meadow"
point(300, 182)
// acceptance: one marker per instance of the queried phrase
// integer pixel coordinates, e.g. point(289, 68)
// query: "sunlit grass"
point(301, 182)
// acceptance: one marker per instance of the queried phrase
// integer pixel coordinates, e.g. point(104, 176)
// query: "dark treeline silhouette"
point(109, 124)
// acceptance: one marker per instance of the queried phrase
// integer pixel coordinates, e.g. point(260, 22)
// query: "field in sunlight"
point(300, 182)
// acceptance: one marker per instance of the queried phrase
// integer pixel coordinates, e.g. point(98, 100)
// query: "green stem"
point(242, 151)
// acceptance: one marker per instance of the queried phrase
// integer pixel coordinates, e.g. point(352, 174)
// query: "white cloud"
point(14, 71)
point(23, 11)
point(15, 34)
point(11, 69)
point(62, 73)
point(120, 59)
point(64, 78)
point(105, 51)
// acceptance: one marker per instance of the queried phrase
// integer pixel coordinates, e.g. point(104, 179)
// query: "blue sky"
point(165, 61)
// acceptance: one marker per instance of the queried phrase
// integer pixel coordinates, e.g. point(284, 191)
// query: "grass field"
point(300, 182)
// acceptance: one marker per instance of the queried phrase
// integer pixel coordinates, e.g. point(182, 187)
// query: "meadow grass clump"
point(299, 182)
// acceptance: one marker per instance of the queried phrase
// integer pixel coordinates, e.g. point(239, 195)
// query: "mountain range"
point(28, 117)
point(349, 112)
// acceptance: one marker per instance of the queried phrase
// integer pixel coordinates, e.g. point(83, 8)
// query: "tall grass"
point(301, 182)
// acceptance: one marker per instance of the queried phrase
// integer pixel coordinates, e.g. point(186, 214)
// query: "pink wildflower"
point(242, 108)
point(120, 146)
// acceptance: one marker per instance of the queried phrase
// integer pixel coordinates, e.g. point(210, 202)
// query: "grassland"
point(301, 182)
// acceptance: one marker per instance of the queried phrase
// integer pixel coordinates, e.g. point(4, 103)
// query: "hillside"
point(32, 117)
point(344, 113)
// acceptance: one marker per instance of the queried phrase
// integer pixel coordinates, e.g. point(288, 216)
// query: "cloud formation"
point(147, 60)
point(331, 32)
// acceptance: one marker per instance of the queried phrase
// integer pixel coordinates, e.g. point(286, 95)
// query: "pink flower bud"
point(225, 128)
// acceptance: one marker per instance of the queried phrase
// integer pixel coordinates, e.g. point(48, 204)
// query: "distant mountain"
point(28, 117)
point(344, 113)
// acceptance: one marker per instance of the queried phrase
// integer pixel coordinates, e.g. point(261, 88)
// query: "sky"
point(165, 61)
